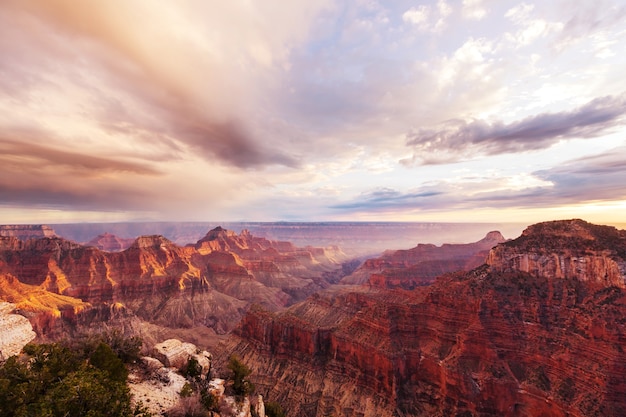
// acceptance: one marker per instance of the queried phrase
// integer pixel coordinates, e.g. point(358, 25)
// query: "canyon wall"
point(26, 231)
point(206, 285)
point(500, 340)
point(422, 264)
point(566, 250)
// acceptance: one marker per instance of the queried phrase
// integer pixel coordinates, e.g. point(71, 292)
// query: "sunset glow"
point(473, 111)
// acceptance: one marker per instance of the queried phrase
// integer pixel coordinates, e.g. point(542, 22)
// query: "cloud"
point(204, 68)
point(474, 9)
point(531, 28)
point(598, 177)
point(458, 137)
point(243, 109)
point(586, 19)
point(22, 155)
point(590, 179)
point(387, 198)
point(42, 175)
point(428, 18)
point(40, 171)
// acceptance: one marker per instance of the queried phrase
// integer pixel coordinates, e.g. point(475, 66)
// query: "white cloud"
point(474, 9)
point(520, 13)
point(428, 18)
point(531, 29)
point(418, 16)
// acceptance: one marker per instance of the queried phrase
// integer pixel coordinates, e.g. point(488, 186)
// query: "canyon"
point(533, 326)
point(538, 330)
point(201, 289)
point(420, 265)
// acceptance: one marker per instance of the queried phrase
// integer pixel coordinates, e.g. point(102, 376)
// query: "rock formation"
point(207, 285)
point(15, 330)
point(358, 239)
point(422, 264)
point(529, 334)
point(176, 354)
point(566, 250)
point(26, 231)
point(110, 243)
point(159, 385)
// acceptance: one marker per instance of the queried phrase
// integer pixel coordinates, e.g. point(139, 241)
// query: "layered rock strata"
point(570, 250)
point(110, 243)
point(500, 340)
point(422, 264)
point(209, 284)
point(26, 231)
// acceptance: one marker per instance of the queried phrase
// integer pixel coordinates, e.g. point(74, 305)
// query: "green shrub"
point(239, 373)
point(192, 369)
point(51, 380)
point(105, 359)
point(273, 409)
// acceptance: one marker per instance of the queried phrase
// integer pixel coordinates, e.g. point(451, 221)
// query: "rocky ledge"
point(572, 249)
point(15, 330)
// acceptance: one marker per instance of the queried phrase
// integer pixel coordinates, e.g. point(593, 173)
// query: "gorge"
point(524, 327)
point(538, 330)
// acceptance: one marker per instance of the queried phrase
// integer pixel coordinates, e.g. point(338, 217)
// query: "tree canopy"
point(52, 380)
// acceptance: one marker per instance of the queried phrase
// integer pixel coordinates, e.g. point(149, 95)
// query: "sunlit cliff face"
point(326, 110)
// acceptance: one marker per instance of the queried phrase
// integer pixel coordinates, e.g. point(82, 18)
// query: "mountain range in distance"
point(354, 238)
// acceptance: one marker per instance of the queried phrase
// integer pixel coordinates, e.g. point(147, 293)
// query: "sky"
point(312, 110)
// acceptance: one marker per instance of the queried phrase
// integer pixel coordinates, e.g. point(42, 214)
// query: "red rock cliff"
point(209, 284)
point(490, 342)
point(422, 264)
point(26, 231)
point(571, 249)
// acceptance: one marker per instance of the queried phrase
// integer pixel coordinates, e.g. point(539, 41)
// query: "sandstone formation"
point(176, 354)
point(207, 285)
point(26, 231)
point(527, 335)
point(110, 243)
point(422, 264)
point(15, 331)
point(158, 386)
point(570, 250)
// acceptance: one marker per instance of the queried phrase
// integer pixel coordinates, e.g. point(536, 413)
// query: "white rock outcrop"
point(158, 394)
point(15, 331)
point(175, 354)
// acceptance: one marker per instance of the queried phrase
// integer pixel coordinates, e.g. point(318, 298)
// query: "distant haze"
point(355, 238)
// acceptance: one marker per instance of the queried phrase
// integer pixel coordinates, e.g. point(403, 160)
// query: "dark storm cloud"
point(231, 143)
point(536, 132)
